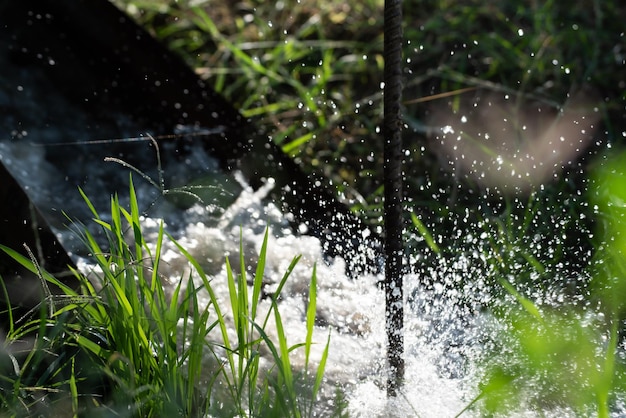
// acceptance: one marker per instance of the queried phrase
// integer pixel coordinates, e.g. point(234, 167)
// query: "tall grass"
point(125, 345)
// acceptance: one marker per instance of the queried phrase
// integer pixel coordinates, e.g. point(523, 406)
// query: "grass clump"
point(124, 345)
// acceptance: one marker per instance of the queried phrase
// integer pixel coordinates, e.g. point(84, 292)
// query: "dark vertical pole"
point(393, 195)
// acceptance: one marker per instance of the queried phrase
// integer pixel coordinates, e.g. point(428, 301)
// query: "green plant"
point(250, 391)
point(121, 344)
point(41, 362)
point(568, 356)
point(556, 359)
point(301, 69)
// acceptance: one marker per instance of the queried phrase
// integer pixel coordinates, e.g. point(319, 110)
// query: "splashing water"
point(450, 337)
point(351, 310)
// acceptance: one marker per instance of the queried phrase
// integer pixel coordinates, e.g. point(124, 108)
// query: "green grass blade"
point(321, 368)
point(527, 304)
point(294, 145)
point(133, 219)
point(425, 234)
point(73, 390)
point(155, 280)
point(284, 349)
point(288, 272)
point(278, 362)
point(5, 295)
point(242, 285)
point(232, 292)
point(281, 284)
point(88, 203)
point(258, 276)
point(310, 314)
point(28, 264)
point(91, 346)
point(212, 297)
point(22, 260)
point(605, 385)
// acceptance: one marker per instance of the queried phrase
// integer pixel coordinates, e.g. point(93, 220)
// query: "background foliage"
point(310, 71)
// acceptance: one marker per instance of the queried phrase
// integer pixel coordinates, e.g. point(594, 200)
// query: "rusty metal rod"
point(392, 171)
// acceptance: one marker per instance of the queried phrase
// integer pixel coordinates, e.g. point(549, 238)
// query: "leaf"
point(527, 304)
point(425, 234)
point(320, 369)
point(258, 276)
point(310, 315)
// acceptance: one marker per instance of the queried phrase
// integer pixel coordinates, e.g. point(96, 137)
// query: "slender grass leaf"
point(212, 296)
point(292, 146)
point(527, 304)
point(258, 276)
point(232, 292)
point(321, 368)
point(310, 314)
point(425, 234)
point(284, 349)
point(73, 390)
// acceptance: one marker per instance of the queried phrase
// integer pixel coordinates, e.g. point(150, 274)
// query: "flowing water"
point(450, 339)
point(452, 336)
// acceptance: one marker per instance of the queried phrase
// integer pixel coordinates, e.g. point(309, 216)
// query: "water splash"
point(458, 325)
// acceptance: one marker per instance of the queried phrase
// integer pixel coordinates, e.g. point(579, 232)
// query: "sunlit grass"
point(563, 354)
point(315, 90)
point(127, 345)
point(556, 307)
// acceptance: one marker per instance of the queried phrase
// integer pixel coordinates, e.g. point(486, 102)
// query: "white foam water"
point(350, 310)
point(446, 342)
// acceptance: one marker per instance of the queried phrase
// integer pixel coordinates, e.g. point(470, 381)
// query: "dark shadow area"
point(22, 225)
point(76, 72)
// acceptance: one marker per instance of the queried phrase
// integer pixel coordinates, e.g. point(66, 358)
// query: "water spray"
point(392, 171)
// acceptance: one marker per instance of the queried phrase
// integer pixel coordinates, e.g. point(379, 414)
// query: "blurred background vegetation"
point(310, 72)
